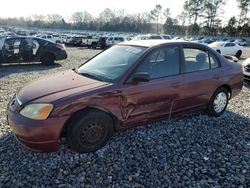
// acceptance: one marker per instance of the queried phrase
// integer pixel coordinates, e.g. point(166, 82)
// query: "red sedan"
point(127, 85)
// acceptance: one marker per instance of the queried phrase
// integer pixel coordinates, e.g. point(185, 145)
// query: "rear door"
point(201, 75)
point(26, 49)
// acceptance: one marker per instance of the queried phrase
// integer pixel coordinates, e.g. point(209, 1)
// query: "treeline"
point(199, 17)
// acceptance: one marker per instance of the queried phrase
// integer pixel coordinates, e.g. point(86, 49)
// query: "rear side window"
point(213, 61)
point(195, 60)
point(155, 37)
point(166, 37)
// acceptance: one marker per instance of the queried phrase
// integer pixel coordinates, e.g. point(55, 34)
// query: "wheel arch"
point(47, 52)
point(76, 114)
point(227, 87)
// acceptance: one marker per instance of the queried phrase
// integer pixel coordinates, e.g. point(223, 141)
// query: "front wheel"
point(218, 102)
point(90, 131)
point(94, 45)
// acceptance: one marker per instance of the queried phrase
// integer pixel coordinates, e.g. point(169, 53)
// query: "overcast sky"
point(25, 8)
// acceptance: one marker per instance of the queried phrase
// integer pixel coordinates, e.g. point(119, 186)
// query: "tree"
point(155, 15)
point(81, 19)
point(171, 26)
point(166, 13)
point(244, 6)
point(106, 15)
point(194, 8)
point(54, 18)
point(211, 14)
point(231, 27)
point(246, 30)
point(194, 29)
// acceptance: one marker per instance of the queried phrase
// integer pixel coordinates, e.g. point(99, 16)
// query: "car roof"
point(30, 37)
point(151, 43)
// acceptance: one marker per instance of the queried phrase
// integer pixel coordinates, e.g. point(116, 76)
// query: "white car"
point(227, 48)
point(110, 41)
point(152, 36)
point(246, 69)
point(241, 42)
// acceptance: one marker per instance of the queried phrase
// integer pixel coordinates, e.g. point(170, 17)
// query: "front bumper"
point(36, 135)
point(246, 76)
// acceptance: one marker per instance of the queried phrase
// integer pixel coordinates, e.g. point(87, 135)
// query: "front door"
point(145, 101)
point(11, 50)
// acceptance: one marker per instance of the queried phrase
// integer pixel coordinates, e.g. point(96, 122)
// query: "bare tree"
point(194, 8)
point(213, 10)
point(244, 6)
point(155, 15)
point(106, 15)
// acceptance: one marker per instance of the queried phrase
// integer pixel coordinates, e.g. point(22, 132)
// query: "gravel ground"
point(193, 151)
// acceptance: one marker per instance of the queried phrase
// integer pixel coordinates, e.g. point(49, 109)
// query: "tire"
point(218, 102)
point(94, 45)
point(238, 54)
point(47, 59)
point(90, 131)
point(103, 46)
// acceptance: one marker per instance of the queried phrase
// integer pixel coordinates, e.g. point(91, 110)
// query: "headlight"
point(37, 111)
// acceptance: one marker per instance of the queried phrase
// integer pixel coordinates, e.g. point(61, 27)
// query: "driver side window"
point(162, 62)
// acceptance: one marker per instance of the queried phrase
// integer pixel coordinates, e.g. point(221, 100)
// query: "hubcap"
point(92, 133)
point(220, 102)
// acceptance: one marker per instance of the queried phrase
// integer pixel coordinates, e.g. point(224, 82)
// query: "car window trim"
point(198, 48)
point(217, 59)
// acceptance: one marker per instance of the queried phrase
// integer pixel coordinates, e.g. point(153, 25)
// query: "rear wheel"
point(238, 54)
point(90, 131)
point(218, 102)
point(47, 59)
point(94, 45)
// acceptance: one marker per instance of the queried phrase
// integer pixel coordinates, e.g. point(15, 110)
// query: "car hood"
point(58, 85)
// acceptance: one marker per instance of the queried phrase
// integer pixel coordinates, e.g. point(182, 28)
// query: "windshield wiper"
point(92, 76)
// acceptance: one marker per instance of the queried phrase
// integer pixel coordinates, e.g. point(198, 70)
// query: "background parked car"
point(227, 48)
point(152, 36)
point(110, 41)
point(246, 69)
point(102, 42)
point(30, 49)
point(90, 41)
point(75, 41)
point(241, 42)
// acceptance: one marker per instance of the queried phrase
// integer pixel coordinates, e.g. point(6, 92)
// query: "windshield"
point(112, 63)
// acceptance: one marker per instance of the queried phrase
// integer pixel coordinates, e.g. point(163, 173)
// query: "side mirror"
point(140, 77)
